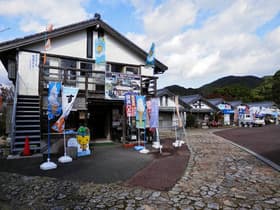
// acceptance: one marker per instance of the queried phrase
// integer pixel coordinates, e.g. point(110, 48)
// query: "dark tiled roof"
point(216, 101)
point(190, 99)
point(21, 42)
point(164, 92)
point(235, 103)
point(266, 104)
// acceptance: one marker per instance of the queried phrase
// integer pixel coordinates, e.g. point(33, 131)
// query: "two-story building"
point(72, 60)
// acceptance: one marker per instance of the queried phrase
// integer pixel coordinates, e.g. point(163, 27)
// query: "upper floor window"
point(68, 63)
point(85, 66)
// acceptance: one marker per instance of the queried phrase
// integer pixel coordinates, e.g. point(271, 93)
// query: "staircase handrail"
point(14, 113)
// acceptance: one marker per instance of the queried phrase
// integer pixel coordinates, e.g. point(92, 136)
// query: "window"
point(85, 66)
point(131, 70)
point(67, 63)
point(116, 68)
point(89, 43)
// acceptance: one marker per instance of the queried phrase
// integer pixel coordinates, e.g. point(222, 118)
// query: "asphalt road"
point(107, 164)
point(264, 141)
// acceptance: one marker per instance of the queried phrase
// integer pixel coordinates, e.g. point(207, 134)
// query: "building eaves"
point(91, 23)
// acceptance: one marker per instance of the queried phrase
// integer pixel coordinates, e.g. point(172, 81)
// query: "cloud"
point(36, 14)
point(225, 44)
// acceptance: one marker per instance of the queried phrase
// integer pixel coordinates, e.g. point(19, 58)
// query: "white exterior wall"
point(115, 52)
point(203, 106)
point(75, 45)
point(70, 45)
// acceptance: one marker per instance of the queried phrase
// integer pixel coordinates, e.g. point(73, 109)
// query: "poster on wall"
point(118, 84)
point(140, 112)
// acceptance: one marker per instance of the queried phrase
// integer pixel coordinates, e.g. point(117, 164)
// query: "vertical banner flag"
point(54, 107)
point(154, 113)
point(150, 61)
point(130, 105)
point(100, 50)
point(140, 111)
point(49, 29)
point(69, 95)
point(148, 113)
point(180, 124)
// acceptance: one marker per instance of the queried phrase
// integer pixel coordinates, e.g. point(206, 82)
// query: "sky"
point(199, 40)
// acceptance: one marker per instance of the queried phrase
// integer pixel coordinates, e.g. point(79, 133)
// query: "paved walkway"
point(218, 176)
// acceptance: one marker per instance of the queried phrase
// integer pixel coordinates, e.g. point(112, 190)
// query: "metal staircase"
point(27, 124)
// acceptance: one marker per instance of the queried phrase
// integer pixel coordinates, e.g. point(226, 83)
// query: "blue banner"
point(154, 113)
point(100, 57)
point(54, 107)
point(150, 61)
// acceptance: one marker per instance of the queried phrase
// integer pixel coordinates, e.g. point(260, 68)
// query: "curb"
point(260, 157)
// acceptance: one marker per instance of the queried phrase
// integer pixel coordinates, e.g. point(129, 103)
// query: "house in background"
point(266, 109)
point(199, 108)
point(226, 113)
point(168, 117)
point(72, 60)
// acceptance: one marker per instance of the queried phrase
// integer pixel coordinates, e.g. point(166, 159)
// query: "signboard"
point(118, 84)
point(28, 69)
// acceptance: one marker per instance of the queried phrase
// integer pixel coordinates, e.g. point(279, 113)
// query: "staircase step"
point(27, 108)
point(27, 103)
point(27, 131)
point(29, 136)
point(27, 115)
point(27, 121)
point(21, 148)
point(27, 126)
point(22, 112)
point(30, 142)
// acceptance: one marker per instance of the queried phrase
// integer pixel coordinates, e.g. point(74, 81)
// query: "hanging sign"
point(118, 84)
point(100, 50)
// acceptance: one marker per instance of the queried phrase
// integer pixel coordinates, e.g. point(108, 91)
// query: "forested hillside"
point(246, 88)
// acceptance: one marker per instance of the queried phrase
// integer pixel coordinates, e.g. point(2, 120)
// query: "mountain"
point(250, 82)
point(229, 88)
point(181, 91)
point(246, 81)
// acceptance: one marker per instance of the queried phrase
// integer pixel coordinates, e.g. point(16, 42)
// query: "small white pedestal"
point(144, 151)
point(65, 159)
point(48, 165)
point(178, 143)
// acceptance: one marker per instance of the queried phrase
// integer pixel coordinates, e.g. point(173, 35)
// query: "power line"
point(4, 29)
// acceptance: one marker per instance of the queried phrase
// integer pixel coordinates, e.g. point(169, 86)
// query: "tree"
point(276, 88)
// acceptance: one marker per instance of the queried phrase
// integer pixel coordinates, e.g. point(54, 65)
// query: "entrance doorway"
point(98, 122)
point(102, 119)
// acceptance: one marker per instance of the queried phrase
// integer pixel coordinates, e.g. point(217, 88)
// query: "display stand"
point(144, 150)
point(48, 165)
point(138, 147)
point(156, 144)
point(65, 158)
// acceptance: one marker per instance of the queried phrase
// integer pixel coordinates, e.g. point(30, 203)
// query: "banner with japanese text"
point(69, 95)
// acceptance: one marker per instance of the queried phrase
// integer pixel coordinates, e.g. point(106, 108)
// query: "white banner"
point(69, 95)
